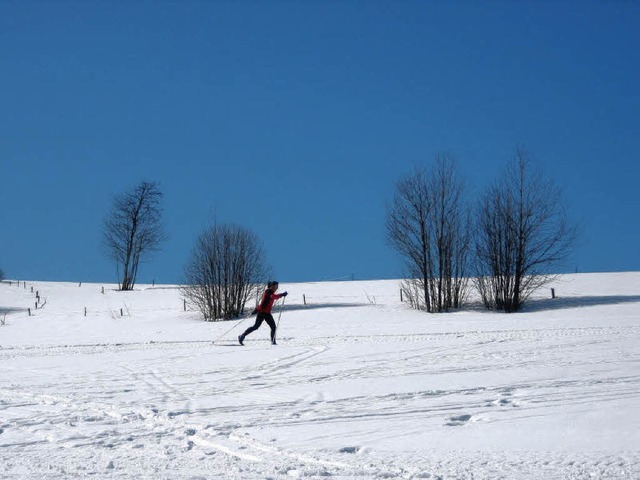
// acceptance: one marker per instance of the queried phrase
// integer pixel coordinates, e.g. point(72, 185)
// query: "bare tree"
point(1, 275)
point(408, 232)
point(226, 268)
point(428, 224)
point(133, 230)
point(523, 234)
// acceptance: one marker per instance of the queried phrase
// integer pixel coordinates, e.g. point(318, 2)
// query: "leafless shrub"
point(227, 267)
point(523, 233)
point(428, 224)
point(370, 298)
point(413, 293)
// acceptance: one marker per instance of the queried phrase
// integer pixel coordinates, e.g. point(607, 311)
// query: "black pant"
point(267, 317)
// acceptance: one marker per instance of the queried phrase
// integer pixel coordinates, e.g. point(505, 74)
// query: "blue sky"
point(295, 120)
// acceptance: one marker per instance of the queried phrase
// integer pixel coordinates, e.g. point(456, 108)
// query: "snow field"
point(359, 386)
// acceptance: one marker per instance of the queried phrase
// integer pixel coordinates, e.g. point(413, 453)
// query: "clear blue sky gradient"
point(296, 119)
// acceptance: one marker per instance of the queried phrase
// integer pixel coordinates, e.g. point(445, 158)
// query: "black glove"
point(285, 294)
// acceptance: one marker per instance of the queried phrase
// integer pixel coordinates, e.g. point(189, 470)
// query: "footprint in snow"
point(504, 402)
point(458, 420)
point(349, 450)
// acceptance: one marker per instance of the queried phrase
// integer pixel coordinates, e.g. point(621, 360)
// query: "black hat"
point(272, 283)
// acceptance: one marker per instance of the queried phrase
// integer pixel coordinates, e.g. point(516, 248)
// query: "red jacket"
point(268, 298)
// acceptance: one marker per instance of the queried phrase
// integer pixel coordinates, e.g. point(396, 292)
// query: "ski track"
point(102, 421)
point(481, 337)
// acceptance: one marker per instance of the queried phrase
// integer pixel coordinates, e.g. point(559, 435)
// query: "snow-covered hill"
point(359, 387)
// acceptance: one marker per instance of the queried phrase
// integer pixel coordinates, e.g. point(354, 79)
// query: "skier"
point(264, 312)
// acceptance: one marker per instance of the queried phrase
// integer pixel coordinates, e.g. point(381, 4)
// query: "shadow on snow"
point(316, 306)
point(537, 305)
point(8, 310)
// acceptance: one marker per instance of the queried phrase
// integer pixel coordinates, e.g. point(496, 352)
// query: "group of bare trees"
point(227, 263)
point(509, 243)
point(506, 245)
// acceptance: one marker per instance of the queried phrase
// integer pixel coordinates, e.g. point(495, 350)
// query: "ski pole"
point(234, 326)
point(280, 314)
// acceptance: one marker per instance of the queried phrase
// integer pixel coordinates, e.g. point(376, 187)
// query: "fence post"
point(304, 299)
point(29, 311)
point(401, 300)
point(553, 293)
